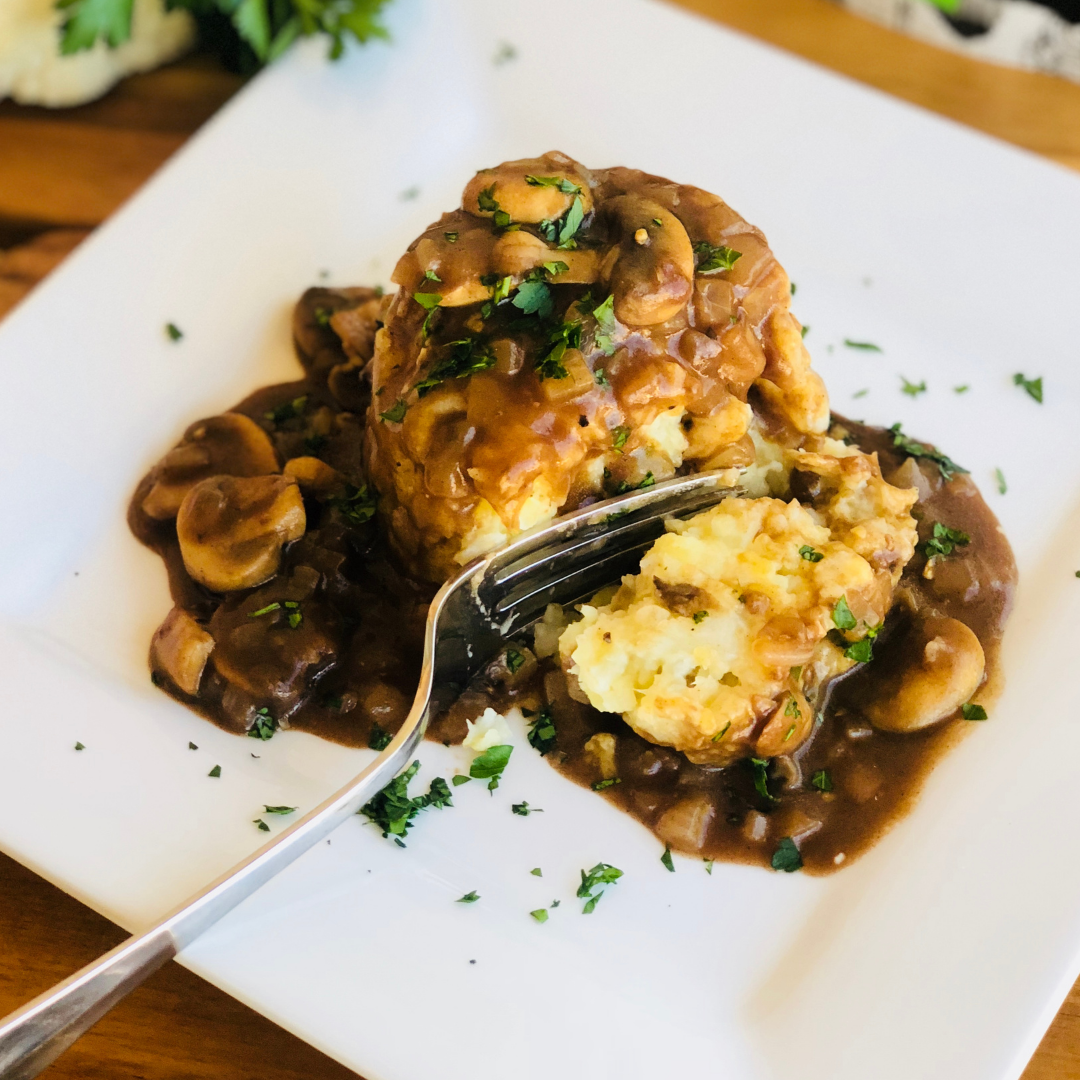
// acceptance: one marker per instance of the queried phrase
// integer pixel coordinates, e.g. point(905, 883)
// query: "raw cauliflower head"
point(569, 334)
point(718, 645)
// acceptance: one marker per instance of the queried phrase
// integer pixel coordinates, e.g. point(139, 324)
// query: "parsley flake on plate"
point(523, 809)
point(666, 858)
point(963, 388)
point(378, 738)
point(215, 772)
point(786, 857)
point(972, 712)
point(601, 874)
point(468, 898)
point(174, 331)
point(540, 915)
point(536, 872)
point(263, 726)
point(79, 746)
point(866, 346)
point(999, 476)
point(263, 827)
point(1033, 387)
point(912, 389)
point(393, 811)
point(280, 809)
point(488, 766)
point(708, 866)
point(192, 746)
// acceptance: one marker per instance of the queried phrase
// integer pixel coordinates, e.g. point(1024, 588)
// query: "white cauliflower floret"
point(491, 729)
point(33, 72)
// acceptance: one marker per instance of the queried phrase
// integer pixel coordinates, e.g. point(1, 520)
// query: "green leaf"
point(567, 187)
point(666, 858)
point(468, 898)
point(534, 298)
point(523, 809)
point(712, 258)
point(866, 346)
point(708, 866)
point(490, 764)
point(264, 610)
point(393, 811)
point(84, 22)
point(466, 357)
point(540, 915)
point(700, 616)
point(787, 857)
point(619, 435)
point(378, 738)
point(263, 726)
point(822, 780)
point(943, 541)
point(946, 466)
point(861, 651)
point(600, 874)
point(263, 827)
point(841, 615)
point(280, 809)
point(215, 772)
point(252, 22)
point(174, 331)
point(357, 505)
point(192, 746)
point(396, 413)
point(571, 223)
point(542, 732)
point(963, 389)
point(606, 326)
point(427, 300)
point(1034, 387)
point(603, 785)
point(912, 389)
point(514, 660)
point(972, 712)
point(810, 554)
point(1001, 485)
point(79, 746)
point(601, 378)
point(760, 767)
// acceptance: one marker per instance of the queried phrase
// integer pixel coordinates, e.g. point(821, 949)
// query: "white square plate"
point(941, 955)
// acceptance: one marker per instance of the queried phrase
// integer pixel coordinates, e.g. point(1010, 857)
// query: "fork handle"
point(35, 1035)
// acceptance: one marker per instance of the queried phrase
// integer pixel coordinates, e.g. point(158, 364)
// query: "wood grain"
point(69, 170)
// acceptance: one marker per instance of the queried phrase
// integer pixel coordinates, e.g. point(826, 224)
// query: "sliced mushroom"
point(788, 727)
point(528, 202)
point(231, 529)
point(651, 280)
point(230, 444)
point(518, 252)
point(179, 649)
point(936, 667)
point(314, 476)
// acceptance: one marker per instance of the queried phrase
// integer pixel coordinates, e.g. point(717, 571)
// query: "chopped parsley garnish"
point(263, 827)
point(822, 780)
point(534, 298)
point(606, 326)
point(215, 772)
point(619, 435)
point(294, 618)
point(288, 410)
point(603, 785)
point(487, 202)
point(192, 746)
point(601, 378)
point(264, 725)
point(427, 300)
point(861, 651)
point(540, 915)
point(803, 331)
point(866, 346)
point(451, 237)
point(972, 712)
point(567, 187)
point(810, 554)
point(760, 767)
point(962, 389)
point(712, 258)
point(944, 541)
point(841, 615)
point(556, 267)
point(490, 764)
point(432, 276)
point(523, 809)
point(912, 389)
point(700, 616)
point(536, 872)
point(466, 358)
point(566, 336)
point(571, 222)
point(396, 413)
point(792, 709)
point(666, 858)
point(542, 732)
point(379, 738)
point(600, 874)
point(357, 505)
point(514, 660)
point(468, 898)
point(1001, 485)
point(79, 746)
point(708, 866)
point(861, 393)
point(722, 732)
point(174, 331)
point(280, 809)
point(392, 809)
point(1034, 387)
point(786, 857)
point(264, 610)
point(946, 466)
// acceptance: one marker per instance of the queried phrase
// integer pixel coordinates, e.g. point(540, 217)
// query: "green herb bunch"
point(245, 34)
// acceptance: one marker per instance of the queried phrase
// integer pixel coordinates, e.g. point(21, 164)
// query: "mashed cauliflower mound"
point(740, 613)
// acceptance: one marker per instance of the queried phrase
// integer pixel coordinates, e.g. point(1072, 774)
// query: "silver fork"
point(470, 618)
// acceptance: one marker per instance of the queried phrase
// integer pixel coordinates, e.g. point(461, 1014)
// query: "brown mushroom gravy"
point(347, 669)
point(565, 336)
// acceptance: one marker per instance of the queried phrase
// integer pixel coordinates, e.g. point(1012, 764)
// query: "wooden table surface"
point(62, 173)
